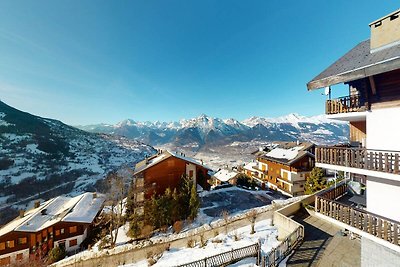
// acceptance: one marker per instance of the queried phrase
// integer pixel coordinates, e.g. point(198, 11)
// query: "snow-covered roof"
point(147, 163)
point(282, 153)
point(289, 153)
point(250, 166)
point(82, 209)
point(225, 175)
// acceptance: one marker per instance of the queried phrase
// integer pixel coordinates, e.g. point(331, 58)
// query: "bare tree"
point(252, 216)
point(115, 197)
point(225, 216)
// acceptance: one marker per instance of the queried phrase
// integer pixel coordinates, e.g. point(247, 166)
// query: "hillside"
point(39, 154)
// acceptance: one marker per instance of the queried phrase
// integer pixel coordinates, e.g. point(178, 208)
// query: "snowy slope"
point(38, 154)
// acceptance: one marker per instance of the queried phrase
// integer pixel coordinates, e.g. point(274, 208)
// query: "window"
point(57, 232)
point(5, 261)
point(2, 246)
point(22, 240)
point(301, 186)
point(20, 257)
point(72, 229)
point(73, 242)
point(191, 174)
point(62, 231)
point(10, 244)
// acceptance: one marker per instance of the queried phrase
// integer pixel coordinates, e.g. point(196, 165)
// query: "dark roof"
point(358, 63)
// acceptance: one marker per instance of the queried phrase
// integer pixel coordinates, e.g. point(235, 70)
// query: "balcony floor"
point(324, 245)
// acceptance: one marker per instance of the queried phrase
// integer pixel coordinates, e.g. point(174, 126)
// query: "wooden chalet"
point(165, 170)
point(61, 221)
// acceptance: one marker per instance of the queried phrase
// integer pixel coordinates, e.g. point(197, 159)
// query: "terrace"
point(332, 205)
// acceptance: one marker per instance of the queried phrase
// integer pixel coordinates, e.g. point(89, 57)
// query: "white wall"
point(383, 197)
point(383, 129)
point(13, 256)
point(79, 238)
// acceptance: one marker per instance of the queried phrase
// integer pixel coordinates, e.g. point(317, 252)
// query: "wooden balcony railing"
point(345, 104)
point(378, 226)
point(382, 161)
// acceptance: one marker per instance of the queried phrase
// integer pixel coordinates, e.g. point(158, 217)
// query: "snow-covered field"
point(265, 234)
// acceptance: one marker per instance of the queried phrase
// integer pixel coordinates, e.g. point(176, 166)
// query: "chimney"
point(21, 213)
point(36, 204)
point(94, 195)
point(297, 142)
point(385, 32)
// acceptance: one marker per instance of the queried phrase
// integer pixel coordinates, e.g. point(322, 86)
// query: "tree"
point(315, 181)
point(252, 216)
point(194, 203)
point(115, 198)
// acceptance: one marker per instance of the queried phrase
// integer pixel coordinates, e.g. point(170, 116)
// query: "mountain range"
point(205, 132)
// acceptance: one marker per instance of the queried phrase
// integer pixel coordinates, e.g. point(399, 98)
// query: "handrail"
point(362, 158)
point(351, 103)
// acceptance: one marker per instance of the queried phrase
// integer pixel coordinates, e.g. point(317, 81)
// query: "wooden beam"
point(373, 86)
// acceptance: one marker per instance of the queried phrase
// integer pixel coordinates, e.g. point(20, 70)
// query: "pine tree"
point(194, 203)
point(315, 181)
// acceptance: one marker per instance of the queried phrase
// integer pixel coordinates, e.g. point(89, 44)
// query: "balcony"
point(345, 104)
point(356, 220)
point(359, 160)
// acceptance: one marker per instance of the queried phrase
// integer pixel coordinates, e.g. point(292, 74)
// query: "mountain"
point(39, 155)
point(205, 131)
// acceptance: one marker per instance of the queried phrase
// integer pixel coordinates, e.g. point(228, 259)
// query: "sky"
point(85, 62)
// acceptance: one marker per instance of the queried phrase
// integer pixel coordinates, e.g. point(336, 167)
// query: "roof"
point(250, 166)
point(82, 209)
point(225, 175)
point(149, 162)
point(289, 153)
point(358, 63)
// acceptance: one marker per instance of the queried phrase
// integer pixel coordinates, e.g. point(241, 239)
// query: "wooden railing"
point(345, 104)
point(378, 226)
point(382, 161)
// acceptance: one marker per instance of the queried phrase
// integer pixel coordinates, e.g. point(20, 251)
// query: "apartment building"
point(371, 70)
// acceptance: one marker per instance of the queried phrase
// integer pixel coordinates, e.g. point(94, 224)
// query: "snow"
point(225, 175)
point(250, 166)
point(265, 234)
point(86, 209)
point(82, 208)
point(282, 153)
point(33, 148)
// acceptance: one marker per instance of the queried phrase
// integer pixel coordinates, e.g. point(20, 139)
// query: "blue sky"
point(87, 62)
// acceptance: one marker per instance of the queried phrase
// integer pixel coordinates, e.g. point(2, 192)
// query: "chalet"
point(224, 176)
point(286, 167)
point(372, 107)
point(165, 170)
point(61, 221)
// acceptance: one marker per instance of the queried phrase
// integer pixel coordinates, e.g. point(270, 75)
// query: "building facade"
point(61, 221)
point(372, 107)
point(286, 167)
point(165, 170)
